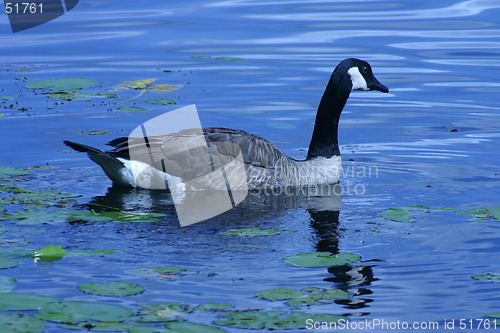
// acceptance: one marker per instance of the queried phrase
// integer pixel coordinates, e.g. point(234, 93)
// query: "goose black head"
point(362, 77)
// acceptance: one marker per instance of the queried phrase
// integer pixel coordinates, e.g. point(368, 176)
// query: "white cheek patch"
point(358, 81)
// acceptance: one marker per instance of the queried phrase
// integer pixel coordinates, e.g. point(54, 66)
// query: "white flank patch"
point(358, 81)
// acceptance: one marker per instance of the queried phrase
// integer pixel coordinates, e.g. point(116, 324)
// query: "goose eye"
point(364, 70)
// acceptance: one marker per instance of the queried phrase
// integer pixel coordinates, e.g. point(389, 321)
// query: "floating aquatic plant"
point(62, 84)
point(111, 288)
point(321, 259)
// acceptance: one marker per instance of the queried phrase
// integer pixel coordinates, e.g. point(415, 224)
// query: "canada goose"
point(265, 164)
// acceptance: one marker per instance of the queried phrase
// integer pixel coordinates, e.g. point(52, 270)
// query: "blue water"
point(433, 140)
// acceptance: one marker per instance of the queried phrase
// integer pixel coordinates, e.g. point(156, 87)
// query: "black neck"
point(324, 142)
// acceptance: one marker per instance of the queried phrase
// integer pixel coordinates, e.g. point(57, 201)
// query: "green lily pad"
point(396, 214)
point(160, 101)
point(62, 84)
point(161, 312)
point(279, 294)
point(6, 98)
point(495, 277)
point(6, 284)
point(139, 84)
point(38, 216)
point(187, 327)
point(74, 312)
point(213, 307)
point(484, 213)
point(7, 263)
point(252, 232)
point(111, 288)
point(493, 315)
point(44, 195)
point(274, 320)
point(20, 323)
point(307, 296)
point(321, 259)
point(419, 207)
point(8, 172)
point(145, 85)
point(95, 132)
point(130, 108)
point(23, 302)
point(229, 58)
point(280, 125)
point(81, 96)
point(49, 253)
point(128, 216)
point(201, 57)
point(43, 167)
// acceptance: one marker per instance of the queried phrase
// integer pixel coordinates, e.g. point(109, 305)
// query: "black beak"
point(375, 85)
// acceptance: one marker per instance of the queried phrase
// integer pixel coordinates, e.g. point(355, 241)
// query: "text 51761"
point(23, 8)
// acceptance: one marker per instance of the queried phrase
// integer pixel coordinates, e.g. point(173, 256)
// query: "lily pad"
point(44, 195)
point(493, 315)
point(49, 253)
point(38, 216)
point(160, 101)
point(280, 125)
point(145, 85)
point(20, 323)
point(7, 263)
point(419, 207)
point(229, 58)
point(111, 288)
point(9, 172)
point(6, 284)
point(23, 302)
point(130, 108)
point(62, 84)
point(139, 84)
point(274, 320)
point(95, 132)
point(495, 277)
point(201, 57)
point(252, 232)
point(43, 167)
point(213, 307)
point(74, 312)
point(484, 213)
point(396, 214)
point(81, 96)
point(321, 259)
point(162, 312)
point(187, 327)
point(6, 98)
point(307, 296)
point(279, 294)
